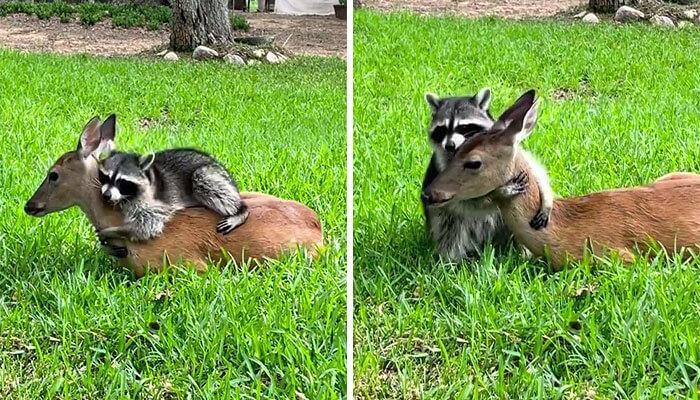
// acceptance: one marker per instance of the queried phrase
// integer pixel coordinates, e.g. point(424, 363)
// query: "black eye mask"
point(104, 179)
point(469, 130)
point(127, 188)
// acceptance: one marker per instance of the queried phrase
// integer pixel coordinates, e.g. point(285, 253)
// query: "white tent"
point(305, 7)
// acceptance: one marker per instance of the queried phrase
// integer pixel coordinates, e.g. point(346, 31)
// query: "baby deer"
point(620, 221)
point(273, 227)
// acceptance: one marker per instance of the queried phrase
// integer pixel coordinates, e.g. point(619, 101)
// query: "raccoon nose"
point(450, 146)
point(106, 197)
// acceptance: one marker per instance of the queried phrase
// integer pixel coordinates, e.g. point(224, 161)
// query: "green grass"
point(503, 327)
point(239, 22)
point(74, 325)
point(125, 16)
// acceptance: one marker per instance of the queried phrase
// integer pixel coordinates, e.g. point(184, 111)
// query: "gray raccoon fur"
point(150, 188)
point(461, 230)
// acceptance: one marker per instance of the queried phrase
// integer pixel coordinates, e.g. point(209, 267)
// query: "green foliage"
point(125, 16)
point(239, 23)
point(73, 325)
point(504, 327)
point(92, 13)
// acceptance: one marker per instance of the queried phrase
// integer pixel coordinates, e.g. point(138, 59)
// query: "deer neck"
point(518, 211)
point(90, 202)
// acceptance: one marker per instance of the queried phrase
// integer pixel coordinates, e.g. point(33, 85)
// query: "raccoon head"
point(124, 176)
point(456, 119)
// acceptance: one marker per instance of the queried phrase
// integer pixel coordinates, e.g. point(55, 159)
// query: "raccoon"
point(462, 229)
point(150, 188)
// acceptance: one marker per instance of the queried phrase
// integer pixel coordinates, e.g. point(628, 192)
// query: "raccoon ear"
point(90, 138)
point(146, 161)
point(433, 101)
point(483, 98)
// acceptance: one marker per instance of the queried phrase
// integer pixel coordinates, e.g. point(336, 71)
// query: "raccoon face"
point(123, 176)
point(456, 119)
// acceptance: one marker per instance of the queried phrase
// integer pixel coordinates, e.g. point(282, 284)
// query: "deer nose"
point(32, 208)
point(434, 197)
point(450, 146)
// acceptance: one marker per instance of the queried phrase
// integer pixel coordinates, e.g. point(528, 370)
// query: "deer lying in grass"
point(274, 225)
point(623, 221)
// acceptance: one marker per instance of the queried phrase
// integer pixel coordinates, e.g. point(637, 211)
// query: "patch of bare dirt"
point(514, 9)
point(310, 35)
point(29, 33)
point(313, 35)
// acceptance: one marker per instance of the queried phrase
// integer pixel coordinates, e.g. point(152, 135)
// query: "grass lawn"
point(75, 326)
point(620, 106)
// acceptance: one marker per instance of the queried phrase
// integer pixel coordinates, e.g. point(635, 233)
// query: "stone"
point(690, 14)
point(628, 14)
point(662, 21)
point(272, 58)
point(204, 53)
point(259, 53)
point(580, 15)
point(590, 18)
point(684, 24)
point(234, 59)
point(253, 61)
point(171, 56)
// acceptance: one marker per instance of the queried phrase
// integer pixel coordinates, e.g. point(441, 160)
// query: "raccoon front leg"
point(541, 219)
point(213, 187)
point(114, 233)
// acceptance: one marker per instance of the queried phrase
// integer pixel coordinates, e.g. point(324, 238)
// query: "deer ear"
point(483, 99)
point(518, 121)
point(107, 133)
point(109, 128)
point(90, 138)
point(433, 101)
point(146, 161)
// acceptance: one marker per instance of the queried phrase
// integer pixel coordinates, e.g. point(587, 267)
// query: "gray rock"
point(259, 53)
point(253, 61)
point(663, 21)
point(234, 59)
point(171, 56)
point(272, 58)
point(628, 14)
point(690, 14)
point(590, 18)
point(204, 53)
point(580, 15)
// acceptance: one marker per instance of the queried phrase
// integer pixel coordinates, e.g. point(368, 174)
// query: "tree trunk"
point(604, 5)
point(199, 22)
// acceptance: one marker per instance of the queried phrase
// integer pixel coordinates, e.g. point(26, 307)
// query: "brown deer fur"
point(666, 212)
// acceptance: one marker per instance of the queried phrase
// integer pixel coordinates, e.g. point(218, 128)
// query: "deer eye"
point(53, 176)
point(472, 165)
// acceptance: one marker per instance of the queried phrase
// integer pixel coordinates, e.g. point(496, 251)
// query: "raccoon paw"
point(114, 250)
point(228, 224)
point(539, 221)
point(512, 188)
